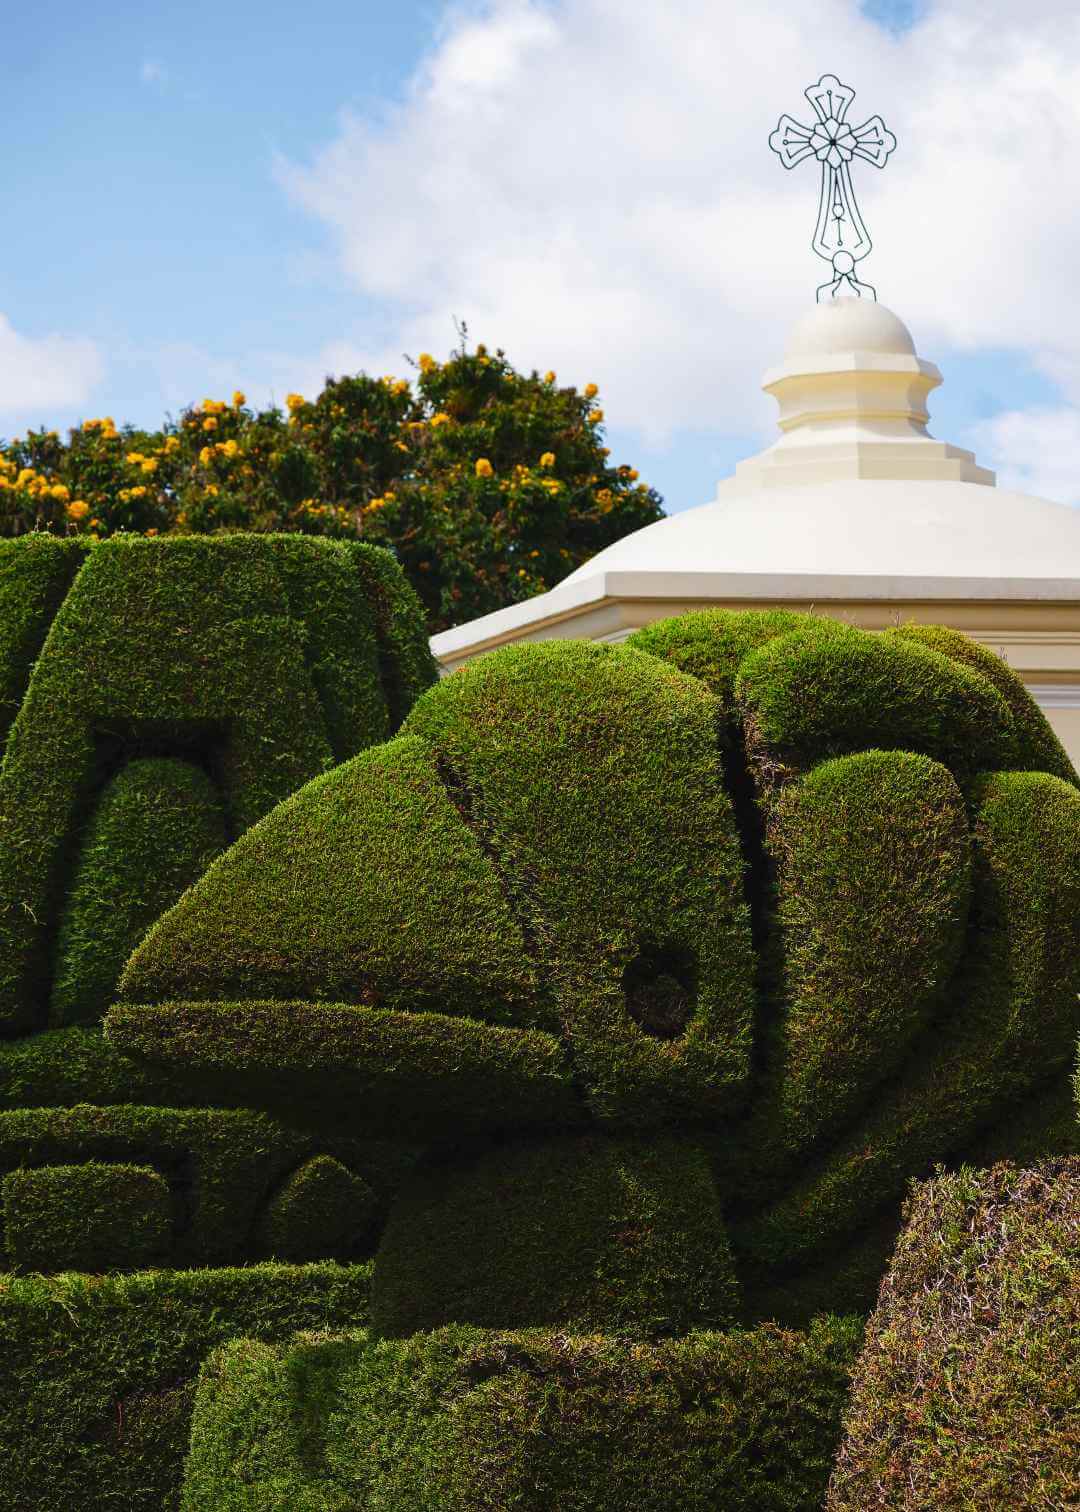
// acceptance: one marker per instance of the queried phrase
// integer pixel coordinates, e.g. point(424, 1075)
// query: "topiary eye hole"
point(660, 987)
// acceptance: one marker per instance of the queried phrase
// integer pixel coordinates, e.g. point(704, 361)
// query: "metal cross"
point(841, 237)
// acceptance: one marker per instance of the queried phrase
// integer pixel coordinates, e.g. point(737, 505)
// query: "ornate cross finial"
point(841, 237)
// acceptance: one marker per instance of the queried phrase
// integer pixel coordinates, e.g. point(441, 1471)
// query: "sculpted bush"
point(766, 891)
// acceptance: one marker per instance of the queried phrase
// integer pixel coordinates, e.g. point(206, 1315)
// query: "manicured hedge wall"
point(223, 1168)
point(461, 1420)
point(88, 1217)
point(967, 1394)
point(99, 1372)
point(263, 660)
point(590, 1233)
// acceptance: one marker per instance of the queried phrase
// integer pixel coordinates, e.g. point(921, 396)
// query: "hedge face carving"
point(798, 898)
point(158, 698)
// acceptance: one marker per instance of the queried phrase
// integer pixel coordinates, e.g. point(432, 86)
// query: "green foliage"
point(967, 1395)
point(157, 827)
point(99, 1371)
point(461, 1420)
point(612, 836)
point(322, 1211)
point(589, 776)
point(1038, 748)
point(829, 689)
point(632, 1241)
point(257, 658)
point(223, 1167)
point(85, 1217)
point(62, 1067)
point(1011, 1024)
point(488, 485)
point(34, 576)
point(872, 877)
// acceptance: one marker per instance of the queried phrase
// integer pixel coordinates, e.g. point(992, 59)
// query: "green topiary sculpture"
point(158, 697)
point(740, 926)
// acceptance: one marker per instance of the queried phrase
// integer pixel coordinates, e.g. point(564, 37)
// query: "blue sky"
point(202, 197)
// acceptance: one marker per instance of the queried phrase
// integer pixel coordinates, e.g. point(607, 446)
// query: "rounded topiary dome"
point(808, 895)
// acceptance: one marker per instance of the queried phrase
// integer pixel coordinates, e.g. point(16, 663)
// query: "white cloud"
point(590, 186)
point(43, 373)
point(1036, 451)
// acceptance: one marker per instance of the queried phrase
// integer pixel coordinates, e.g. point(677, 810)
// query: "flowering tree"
point(489, 486)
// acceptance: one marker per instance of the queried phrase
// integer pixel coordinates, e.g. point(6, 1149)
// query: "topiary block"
point(99, 1371)
point(322, 1210)
point(966, 1393)
point(595, 1234)
point(460, 1420)
point(89, 1217)
point(261, 659)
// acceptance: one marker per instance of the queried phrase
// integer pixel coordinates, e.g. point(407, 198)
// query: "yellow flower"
point(239, 398)
point(442, 418)
point(152, 531)
point(632, 474)
point(149, 465)
point(401, 386)
point(206, 456)
point(294, 401)
point(172, 443)
point(400, 445)
point(484, 468)
point(605, 451)
point(78, 509)
point(92, 523)
point(547, 459)
point(591, 391)
point(60, 493)
point(595, 418)
point(214, 406)
point(210, 424)
point(427, 362)
point(231, 448)
point(481, 349)
point(25, 476)
point(212, 490)
point(134, 458)
point(549, 377)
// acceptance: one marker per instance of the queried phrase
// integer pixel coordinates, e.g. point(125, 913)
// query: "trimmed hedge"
point(322, 1210)
point(873, 882)
point(674, 897)
point(1012, 1025)
point(367, 887)
point(35, 573)
point(631, 1241)
point(86, 1217)
point(1038, 748)
point(222, 1167)
point(967, 1394)
point(99, 1371)
point(158, 825)
point(62, 1067)
point(592, 773)
point(259, 658)
point(463, 1420)
point(466, 874)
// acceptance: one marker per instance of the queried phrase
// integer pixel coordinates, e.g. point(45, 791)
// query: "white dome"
point(854, 502)
point(848, 325)
point(852, 528)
